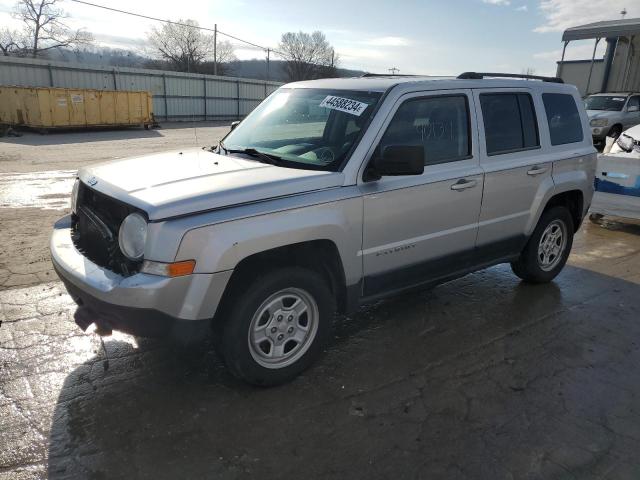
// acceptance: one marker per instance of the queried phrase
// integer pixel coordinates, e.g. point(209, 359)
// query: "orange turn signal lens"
point(175, 269)
point(178, 269)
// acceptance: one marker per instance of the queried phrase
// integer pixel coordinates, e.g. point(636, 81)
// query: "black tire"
point(528, 266)
point(615, 131)
point(232, 342)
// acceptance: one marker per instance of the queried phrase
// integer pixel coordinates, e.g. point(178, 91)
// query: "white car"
point(618, 179)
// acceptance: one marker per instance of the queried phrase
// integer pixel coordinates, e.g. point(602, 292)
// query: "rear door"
point(515, 172)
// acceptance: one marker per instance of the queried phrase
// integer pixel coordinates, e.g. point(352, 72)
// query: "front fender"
point(222, 246)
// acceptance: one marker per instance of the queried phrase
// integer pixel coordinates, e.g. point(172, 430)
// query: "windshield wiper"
point(263, 157)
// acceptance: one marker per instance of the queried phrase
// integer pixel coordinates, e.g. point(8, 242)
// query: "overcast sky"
point(422, 37)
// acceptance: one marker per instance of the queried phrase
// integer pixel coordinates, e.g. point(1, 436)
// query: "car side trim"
point(442, 269)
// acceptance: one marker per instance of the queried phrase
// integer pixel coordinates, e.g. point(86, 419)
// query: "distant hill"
point(256, 69)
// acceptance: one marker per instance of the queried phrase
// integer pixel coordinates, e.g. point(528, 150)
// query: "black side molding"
point(481, 75)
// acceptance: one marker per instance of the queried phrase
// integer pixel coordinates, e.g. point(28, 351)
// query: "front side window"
point(510, 123)
point(305, 127)
point(634, 103)
point(440, 124)
point(563, 118)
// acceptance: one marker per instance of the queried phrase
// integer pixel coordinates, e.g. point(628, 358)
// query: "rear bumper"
point(136, 304)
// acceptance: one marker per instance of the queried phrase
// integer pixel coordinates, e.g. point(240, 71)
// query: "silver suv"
point(330, 194)
point(611, 113)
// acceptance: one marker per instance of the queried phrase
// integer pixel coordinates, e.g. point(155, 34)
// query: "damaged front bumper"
point(141, 304)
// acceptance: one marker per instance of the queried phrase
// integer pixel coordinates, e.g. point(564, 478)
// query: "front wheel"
point(276, 326)
point(548, 249)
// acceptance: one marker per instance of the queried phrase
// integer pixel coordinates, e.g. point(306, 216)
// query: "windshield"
point(604, 102)
point(305, 128)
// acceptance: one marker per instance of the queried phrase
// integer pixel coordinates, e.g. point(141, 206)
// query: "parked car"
point(618, 179)
point(611, 113)
point(330, 194)
point(627, 143)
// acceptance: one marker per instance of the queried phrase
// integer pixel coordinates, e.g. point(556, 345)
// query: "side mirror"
point(234, 124)
point(398, 160)
point(633, 108)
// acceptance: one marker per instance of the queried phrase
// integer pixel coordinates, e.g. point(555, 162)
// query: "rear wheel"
point(547, 250)
point(276, 326)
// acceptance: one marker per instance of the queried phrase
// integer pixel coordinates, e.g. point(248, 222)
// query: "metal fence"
point(176, 96)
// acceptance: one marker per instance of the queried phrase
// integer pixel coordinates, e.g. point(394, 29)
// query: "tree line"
point(180, 46)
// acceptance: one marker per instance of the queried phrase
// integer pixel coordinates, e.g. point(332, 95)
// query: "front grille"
point(95, 228)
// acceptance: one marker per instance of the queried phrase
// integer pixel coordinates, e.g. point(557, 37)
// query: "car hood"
point(633, 132)
point(179, 183)
point(592, 114)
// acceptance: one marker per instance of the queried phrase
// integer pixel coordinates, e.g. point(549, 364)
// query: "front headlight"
point(74, 196)
point(133, 236)
point(599, 122)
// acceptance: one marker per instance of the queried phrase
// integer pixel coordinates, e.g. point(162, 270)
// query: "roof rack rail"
point(481, 75)
point(388, 75)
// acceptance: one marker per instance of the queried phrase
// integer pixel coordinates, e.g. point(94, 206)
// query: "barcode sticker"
point(344, 105)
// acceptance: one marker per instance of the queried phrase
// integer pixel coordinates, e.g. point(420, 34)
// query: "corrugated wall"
point(176, 96)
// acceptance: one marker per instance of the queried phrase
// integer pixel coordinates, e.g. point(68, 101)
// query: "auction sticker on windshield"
point(344, 105)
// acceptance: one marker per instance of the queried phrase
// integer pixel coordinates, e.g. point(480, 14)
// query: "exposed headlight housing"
point(599, 122)
point(74, 196)
point(133, 236)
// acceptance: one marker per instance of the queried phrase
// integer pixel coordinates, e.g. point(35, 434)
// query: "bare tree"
point(221, 64)
point(12, 42)
point(307, 56)
point(187, 48)
point(45, 28)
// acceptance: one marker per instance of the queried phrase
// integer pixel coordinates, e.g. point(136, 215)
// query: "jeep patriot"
point(330, 194)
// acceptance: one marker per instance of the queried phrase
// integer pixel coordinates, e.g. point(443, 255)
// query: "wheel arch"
point(321, 256)
point(573, 200)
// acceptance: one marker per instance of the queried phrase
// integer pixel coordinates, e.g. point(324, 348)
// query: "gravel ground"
point(481, 378)
point(36, 176)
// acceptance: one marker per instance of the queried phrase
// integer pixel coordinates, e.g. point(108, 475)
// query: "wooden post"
point(215, 49)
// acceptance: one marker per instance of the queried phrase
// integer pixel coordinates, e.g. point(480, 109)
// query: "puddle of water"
point(48, 190)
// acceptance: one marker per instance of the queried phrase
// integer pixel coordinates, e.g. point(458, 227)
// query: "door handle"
point(536, 171)
point(463, 184)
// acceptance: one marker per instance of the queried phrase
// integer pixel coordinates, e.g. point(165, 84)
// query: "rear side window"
point(440, 124)
point(510, 122)
point(563, 117)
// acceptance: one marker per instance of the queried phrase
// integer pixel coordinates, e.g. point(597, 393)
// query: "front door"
point(423, 227)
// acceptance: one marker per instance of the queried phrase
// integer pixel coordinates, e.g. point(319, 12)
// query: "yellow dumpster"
point(44, 108)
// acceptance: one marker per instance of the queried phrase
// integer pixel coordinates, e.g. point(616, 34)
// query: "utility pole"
point(394, 70)
point(268, 54)
point(215, 49)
